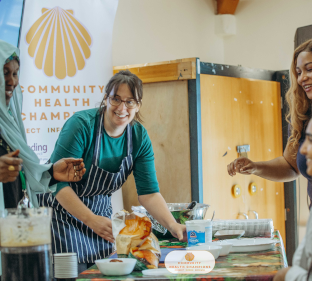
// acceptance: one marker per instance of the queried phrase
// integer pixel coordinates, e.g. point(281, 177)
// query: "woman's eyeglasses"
point(130, 103)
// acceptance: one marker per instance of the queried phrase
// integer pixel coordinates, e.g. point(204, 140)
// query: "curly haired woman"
point(299, 98)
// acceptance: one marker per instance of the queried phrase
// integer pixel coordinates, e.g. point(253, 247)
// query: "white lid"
point(197, 222)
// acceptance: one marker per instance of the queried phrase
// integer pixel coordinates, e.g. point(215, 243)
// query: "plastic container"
point(198, 231)
point(208, 232)
point(26, 244)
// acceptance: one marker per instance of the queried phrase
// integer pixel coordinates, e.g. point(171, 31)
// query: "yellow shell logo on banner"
point(59, 43)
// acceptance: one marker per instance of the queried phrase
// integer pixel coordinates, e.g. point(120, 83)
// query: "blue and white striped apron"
point(68, 233)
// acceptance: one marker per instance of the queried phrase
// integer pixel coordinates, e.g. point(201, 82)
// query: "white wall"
point(265, 32)
point(159, 30)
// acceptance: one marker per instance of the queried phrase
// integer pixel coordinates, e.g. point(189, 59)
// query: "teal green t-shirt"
point(77, 139)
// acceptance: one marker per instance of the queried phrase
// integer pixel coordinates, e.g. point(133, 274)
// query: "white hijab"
point(13, 132)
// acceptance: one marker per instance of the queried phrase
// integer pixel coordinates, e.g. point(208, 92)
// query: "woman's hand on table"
point(69, 169)
point(241, 165)
point(102, 226)
point(280, 275)
point(10, 166)
point(73, 204)
point(178, 231)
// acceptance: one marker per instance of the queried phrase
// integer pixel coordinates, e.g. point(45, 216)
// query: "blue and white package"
point(196, 231)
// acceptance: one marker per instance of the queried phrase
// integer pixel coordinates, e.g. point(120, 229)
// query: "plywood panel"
point(238, 111)
point(166, 118)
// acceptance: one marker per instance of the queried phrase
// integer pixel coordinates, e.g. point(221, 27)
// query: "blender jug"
point(26, 244)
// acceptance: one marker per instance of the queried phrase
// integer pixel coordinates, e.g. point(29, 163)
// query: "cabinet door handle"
point(256, 214)
point(243, 214)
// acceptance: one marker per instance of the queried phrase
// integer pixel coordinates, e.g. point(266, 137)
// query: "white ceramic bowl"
point(226, 246)
point(214, 250)
point(116, 268)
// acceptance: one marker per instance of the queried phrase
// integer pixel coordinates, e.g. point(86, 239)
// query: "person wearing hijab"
point(19, 165)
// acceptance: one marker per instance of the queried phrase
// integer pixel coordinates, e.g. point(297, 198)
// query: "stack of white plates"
point(65, 265)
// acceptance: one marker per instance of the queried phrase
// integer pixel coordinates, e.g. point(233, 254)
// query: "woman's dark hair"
point(135, 85)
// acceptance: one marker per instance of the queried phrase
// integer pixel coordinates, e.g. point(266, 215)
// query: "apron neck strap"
point(99, 133)
point(129, 140)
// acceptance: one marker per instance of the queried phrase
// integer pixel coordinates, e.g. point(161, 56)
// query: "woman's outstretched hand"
point(69, 169)
point(242, 166)
point(10, 166)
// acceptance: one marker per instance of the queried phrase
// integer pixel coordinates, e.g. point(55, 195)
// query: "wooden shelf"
point(226, 6)
point(182, 69)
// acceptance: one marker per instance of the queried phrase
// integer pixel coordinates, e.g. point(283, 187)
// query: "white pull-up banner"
point(66, 60)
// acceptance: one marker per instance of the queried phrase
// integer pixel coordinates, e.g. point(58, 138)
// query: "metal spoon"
point(213, 215)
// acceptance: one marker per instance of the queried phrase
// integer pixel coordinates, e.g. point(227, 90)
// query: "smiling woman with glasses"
point(113, 143)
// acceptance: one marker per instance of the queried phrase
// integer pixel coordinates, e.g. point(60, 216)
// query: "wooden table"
point(235, 266)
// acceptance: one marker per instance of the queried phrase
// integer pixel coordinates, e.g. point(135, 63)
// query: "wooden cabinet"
point(196, 114)
point(238, 111)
